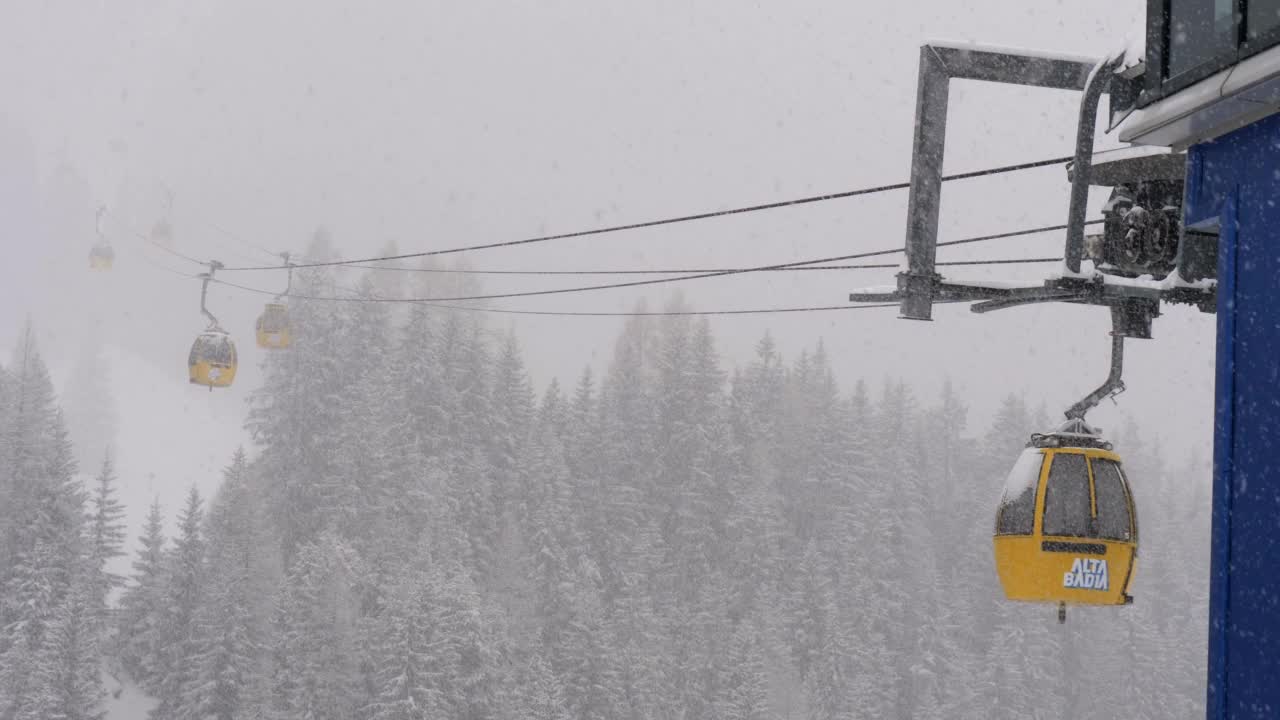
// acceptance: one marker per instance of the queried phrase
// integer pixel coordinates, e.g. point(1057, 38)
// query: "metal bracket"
point(1098, 82)
point(920, 286)
point(1137, 306)
point(939, 65)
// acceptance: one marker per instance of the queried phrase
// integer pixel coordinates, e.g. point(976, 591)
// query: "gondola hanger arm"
point(1111, 387)
point(214, 266)
point(289, 281)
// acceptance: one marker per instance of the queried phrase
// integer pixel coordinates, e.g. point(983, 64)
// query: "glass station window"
point(1201, 37)
point(1261, 17)
point(1067, 510)
point(1113, 505)
point(1199, 31)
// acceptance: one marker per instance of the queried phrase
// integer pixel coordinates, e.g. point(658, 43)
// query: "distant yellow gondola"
point(1066, 528)
point(101, 257)
point(213, 360)
point(162, 231)
point(272, 328)
point(162, 235)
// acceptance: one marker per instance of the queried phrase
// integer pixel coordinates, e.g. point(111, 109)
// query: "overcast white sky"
point(433, 124)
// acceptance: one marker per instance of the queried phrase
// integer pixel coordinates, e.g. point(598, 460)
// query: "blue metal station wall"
point(1236, 179)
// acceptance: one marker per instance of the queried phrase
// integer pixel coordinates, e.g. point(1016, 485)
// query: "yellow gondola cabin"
point(1066, 529)
point(162, 235)
point(212, 361)
point(101, 257)
point(273, 327)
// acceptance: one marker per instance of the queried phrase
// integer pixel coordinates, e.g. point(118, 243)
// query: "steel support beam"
point(939, 65)
point(1099, 81)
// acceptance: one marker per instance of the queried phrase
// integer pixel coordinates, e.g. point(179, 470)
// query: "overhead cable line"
point(169, 213)
point(672, 313)
point(680, 271)
point(138, 235)
point(573, 313)
point(666, 221)
point(677, 313)
point(226, 249)
point(148, 261)
point(170, 250)
point(242, 241)
point(680, 278)
point(180, 255)
point(637, 313)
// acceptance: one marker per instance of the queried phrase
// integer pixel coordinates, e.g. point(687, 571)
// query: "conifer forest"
point(417, 530)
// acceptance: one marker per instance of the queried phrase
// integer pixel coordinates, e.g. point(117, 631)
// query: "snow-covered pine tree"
point(552, 545)
point(542, 697)
point(473, 630)
point(586, 662)
point(756, 527)
point(68, 667)
point(695, 467)
point(314, 668)
point(581, 427)
point(419, 380)
point(25, 439)
point(140, 616)
point(511, 404)
point(409, 658)
point(626, 448)
point(597, 494)
point(466, 374)
point(744, 692)
point(556, 411)
point(809, 608)
point(511, 417)
point(45, 553)
point(228, 622)
point(637, 646)
point(186, 581)
point(356, 476)
point(296, 418)
point(106, 535)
